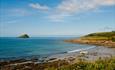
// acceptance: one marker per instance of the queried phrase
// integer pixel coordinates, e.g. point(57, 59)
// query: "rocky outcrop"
point(91, 42)
point(24, 36)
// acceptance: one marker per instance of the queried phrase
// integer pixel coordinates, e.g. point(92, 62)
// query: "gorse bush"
point(113, 39)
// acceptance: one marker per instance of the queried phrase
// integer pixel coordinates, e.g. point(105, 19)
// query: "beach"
point(44, 53)
point(62, 59)
point(57, 34)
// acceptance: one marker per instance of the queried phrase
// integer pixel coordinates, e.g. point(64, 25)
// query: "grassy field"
point(108, 36)
point(103, 34)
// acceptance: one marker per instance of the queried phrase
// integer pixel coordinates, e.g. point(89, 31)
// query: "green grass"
point(100, 64)
point(100, 36)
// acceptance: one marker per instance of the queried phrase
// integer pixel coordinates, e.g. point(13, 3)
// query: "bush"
point(113, 39)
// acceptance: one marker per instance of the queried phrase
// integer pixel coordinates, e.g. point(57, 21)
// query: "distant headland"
point(100, 39)
point(24, 36)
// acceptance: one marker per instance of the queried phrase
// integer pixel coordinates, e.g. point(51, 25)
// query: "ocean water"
point(37, 46)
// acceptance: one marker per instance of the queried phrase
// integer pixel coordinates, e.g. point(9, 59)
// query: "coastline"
point(106, 39)
point(102, 47)
point(104, 43)
point(93, 53)
point(64, 59)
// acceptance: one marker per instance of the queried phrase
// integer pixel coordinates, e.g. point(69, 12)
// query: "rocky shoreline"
point(109, 44)
point(105, 49)
point(58, 60)
point(29, 65)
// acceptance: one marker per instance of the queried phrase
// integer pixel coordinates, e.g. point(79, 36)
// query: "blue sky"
point(56, 17)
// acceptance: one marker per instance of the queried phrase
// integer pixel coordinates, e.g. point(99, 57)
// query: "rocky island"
point(106, 39)
point(24, 36)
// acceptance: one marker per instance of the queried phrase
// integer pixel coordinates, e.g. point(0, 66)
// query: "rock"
point(83, 52)
point(23, 36)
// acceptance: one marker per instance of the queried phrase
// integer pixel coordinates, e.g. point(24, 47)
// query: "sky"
point(56, 17)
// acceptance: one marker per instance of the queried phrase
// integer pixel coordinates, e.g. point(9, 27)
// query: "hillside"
point(108, 36)
point(101, 38)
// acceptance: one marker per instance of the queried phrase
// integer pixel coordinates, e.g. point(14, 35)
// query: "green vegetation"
point(102, 34)
point(80, 64)
point(100, 64)
point(94, 38)
point(24, 36)
point(113, 39)
point(110, 36)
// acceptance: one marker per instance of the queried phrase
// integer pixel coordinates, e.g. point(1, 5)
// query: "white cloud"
point(108, 28)
point(71, 7)
point(9, 21)
point(19, 12)
point(39, 7)
point(108, 2)
point(13, 21)
point(58, 18)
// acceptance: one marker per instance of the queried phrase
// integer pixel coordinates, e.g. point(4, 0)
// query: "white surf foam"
point(77, 50)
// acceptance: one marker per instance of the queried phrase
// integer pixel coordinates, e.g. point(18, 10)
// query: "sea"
point(12, 47)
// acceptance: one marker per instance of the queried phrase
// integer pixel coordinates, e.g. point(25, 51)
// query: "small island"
point(106, 39)
point(24, 36)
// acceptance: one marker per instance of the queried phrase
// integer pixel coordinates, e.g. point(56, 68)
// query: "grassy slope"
point(106, 39)
point(109, 36)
